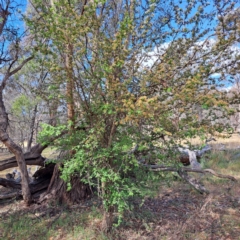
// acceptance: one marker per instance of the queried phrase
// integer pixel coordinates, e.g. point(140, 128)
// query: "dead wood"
point(10, 195)
point(30, 159)
point(189, 157)
point(33, 157)
point(10, 183)
point(35, 186)
point(183, 173)
point(41, 181)
point(185, 169)
point(193, 182)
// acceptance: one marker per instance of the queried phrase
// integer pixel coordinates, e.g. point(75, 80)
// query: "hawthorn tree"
point(132, 76)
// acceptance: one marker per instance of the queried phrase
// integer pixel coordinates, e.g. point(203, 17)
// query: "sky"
point(16, 15)
point(182, 4)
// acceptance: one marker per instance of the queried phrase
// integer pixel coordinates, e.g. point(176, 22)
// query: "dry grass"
point(172, 212)
point(176, 212)
point(230, 142)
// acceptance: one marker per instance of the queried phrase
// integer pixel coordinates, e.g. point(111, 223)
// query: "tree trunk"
point(48, 179)
point(108, 216)
point(107, 221)
point(70, 85)
point(15, 149)
point(30, 139)
point(57, 189)
point(22, 167)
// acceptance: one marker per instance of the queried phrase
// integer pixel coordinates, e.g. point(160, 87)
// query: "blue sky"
point(181, 4)
point(15, 18)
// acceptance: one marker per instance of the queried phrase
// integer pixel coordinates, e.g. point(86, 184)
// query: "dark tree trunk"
point(57, 189)
point(48, 179)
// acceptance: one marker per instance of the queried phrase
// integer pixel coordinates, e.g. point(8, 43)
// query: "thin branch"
point(158, 168)
point(10, 73)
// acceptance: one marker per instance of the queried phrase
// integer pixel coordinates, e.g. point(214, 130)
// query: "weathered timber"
point(33, 157)
point(183, 173)
point(40, 183)
point(30, 159)
point(192, 158)
point(14, 194)
point(35, 186)
point(193, 182)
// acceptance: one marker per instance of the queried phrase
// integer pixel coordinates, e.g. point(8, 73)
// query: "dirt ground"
point(176, 212)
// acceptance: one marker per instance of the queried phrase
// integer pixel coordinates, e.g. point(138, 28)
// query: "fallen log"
point(185, 169)
point(10, 183)
point(182, 172)
point(33, 157)
point(193, 182)
point(41, 181)
point(35, 186)
point(14, 194)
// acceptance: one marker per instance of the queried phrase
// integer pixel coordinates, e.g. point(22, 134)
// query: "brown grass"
point(233, 141)
point(175, 212)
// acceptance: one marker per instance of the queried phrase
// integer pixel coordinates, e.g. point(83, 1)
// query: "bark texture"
point(30, 159)
point(15, 149)
point(57, 189)
point(32, 124)
point(107, 221)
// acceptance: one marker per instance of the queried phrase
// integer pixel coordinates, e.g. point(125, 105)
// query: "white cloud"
point(196, 55)
point(215, 75)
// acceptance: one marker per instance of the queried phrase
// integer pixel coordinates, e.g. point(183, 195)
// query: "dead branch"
point(42, 178)
point(158, 168)
point(193, 182)
point(10, 183)
point(183, 173)
point(35, 187)
point(11, 195)
point(30, 159)
point(33, 157)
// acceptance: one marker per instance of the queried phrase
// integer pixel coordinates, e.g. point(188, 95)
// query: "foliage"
point(130, 74)
point(22, 106)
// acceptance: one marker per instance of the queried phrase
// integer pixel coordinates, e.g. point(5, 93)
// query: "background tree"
point(11, 61)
